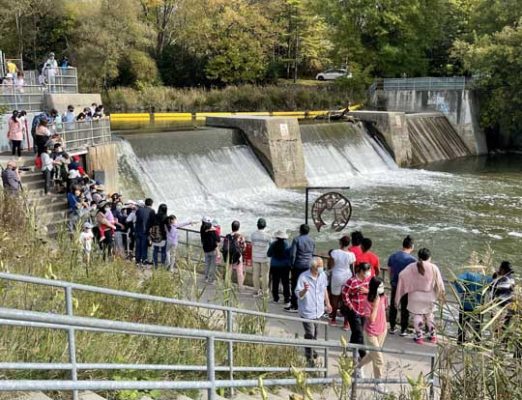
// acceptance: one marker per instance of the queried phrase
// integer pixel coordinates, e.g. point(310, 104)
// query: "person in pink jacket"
point(15, 133)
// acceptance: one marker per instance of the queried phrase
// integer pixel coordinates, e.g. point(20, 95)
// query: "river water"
point(454, 208)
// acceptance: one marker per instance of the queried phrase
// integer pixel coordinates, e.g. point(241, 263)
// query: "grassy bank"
point(284, 97)
point(24, 251)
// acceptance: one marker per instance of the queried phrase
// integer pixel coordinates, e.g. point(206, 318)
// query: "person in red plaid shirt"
point(355, 296)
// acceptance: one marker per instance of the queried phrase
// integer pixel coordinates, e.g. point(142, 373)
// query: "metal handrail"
point(73, 324)
point(422, 83)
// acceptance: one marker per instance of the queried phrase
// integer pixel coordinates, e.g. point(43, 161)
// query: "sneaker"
point(419, 340)
point(287, 304)
point(393, 331)
point(346, 327)
point(332, 322)
point(433, 339)
point(381, 389)
point(290, 309)
point(404, 333)
point(274, 301)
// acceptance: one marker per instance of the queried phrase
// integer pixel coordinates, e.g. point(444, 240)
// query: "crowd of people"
point(49, 72)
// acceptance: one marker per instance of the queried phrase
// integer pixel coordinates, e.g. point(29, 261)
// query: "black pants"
point(48, 180)
point(41, 140)
point(356, 322)
point(295, 277)
point(16, 147)
point(280, 275)
point(468, 320)
point(405, 314)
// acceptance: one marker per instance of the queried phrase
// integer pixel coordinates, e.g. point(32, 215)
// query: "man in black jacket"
point(210, 241)
point(144, 218)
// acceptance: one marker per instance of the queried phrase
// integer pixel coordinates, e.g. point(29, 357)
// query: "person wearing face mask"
point(11, 179)
point(312, 298)
point(354, 295)
point(47, 168)
point(375, 329)
point(423, 284)
point(106, 228)
point(119, 220)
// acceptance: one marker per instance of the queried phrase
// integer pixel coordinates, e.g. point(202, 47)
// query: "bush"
point(232, 98)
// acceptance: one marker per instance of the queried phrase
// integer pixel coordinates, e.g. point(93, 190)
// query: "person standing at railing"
point(210, 242)
point(423, 284)
point(396, 263)
point(375, 330)
point(279, 253)
point(144, 217)
point(158, 236)
point(342, 270)
point(369, 257)
point(172, 240)
point(303, 248)
point(261, 240)
point(312, 302)
point(354, 296)
point(233, 249)
point(50, 69)
point(15, 134)
point(69, 117)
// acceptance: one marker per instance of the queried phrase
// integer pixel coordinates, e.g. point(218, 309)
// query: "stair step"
point(88, 395)
point(31, 176)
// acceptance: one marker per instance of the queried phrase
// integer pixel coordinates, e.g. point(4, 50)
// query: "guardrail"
point(422, 83)
point(27, 97)
point(73, 324)
point(79, 135)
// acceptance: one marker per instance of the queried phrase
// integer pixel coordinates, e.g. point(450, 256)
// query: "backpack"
point(155, 234)
point(231, 249)
point(38, 162)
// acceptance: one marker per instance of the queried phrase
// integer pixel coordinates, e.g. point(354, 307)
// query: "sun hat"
point(207, 220)
point(281, 235)
point(87, 225)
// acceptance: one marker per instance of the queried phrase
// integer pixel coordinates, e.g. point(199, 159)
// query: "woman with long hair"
point(375, 329)
point(423, 284)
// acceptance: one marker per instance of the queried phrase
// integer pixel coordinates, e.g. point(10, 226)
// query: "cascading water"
point(433, 138)
point(335, 153)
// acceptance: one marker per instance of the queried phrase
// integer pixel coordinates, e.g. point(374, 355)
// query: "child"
point(86, 238)
point(375, 329)
point(172, 240)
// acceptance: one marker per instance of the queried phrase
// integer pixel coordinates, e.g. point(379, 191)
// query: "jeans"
point(47, 180)
point(171, 256)
point(356, 322)
point(280, 275)
point(405, 314)
point(16, 147)
point(260, 273)
point(311, 330)
point(469, 320)
point(159, 248)
point(295, 277)
point(210, 266)
point(142, 244)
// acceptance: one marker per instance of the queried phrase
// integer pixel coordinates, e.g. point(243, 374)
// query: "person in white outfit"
point(261, 240)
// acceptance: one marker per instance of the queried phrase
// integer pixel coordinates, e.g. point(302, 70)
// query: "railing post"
point(326, 352)
point(187, 252)
point(353, 395)
point(230, 328)
point(432, 379)
point(211, 369)
point(71, 338)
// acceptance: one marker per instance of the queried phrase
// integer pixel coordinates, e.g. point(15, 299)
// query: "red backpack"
point(38, 162)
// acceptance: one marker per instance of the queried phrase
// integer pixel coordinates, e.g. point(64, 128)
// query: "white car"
point(332, 74)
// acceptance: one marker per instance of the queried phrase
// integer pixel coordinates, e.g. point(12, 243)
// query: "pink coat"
point(411, 281)
point(14, 130)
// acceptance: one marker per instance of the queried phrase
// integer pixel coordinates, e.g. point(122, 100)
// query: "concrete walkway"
point(397, 366)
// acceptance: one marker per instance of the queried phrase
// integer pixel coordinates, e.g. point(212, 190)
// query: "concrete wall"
point(394, 127)
point(78, 100)
point(459, 106)
point(277, 143)
point(104, 157)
